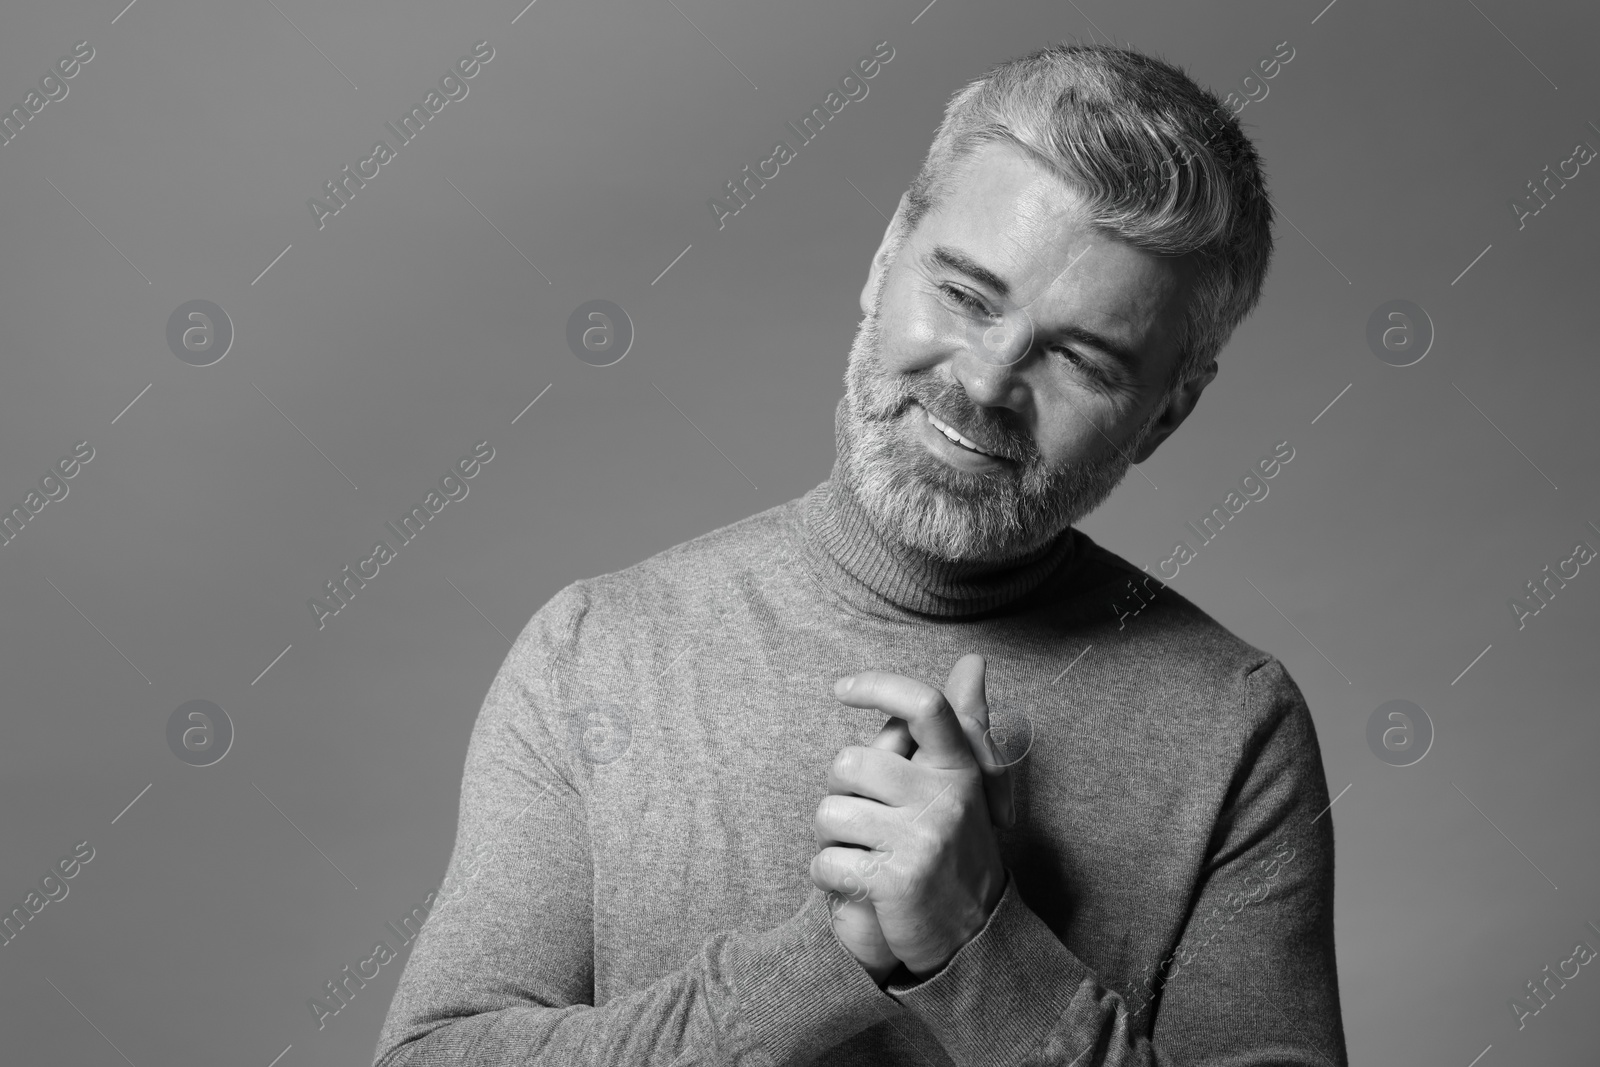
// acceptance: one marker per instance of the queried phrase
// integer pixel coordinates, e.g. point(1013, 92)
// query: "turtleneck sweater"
point(629, 880)
point(893, 579)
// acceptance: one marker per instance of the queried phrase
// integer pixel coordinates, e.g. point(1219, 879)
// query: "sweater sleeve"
point(1252, 981)
point(503, 970)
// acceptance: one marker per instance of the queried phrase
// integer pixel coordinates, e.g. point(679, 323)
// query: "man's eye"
point(1079, 362)
point(964, 298)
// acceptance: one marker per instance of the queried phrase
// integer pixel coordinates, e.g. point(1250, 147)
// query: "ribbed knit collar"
point(887, 578)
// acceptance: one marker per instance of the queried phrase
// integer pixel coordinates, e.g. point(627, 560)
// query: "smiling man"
point(1072, 842)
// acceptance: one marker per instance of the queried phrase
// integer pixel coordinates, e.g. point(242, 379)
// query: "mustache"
point(884, 399)
point(992, 427)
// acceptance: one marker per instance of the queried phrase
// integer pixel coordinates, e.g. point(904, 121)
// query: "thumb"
point(965, 692)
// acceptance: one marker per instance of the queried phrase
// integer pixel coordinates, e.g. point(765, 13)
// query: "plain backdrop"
point(432, 310)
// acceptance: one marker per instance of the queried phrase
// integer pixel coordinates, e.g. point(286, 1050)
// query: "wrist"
point(975, 926)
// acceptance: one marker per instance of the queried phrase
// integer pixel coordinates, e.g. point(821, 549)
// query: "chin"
point(947, 513)
point(952, 528)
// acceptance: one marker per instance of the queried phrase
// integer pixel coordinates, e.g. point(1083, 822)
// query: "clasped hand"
point(923, 798)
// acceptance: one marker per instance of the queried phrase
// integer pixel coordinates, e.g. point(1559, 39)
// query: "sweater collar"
point(887, 578)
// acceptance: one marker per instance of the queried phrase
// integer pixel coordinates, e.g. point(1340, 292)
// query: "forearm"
point(1015, 995)
point(504, 970)
point(1251, 982)
point(777, 998)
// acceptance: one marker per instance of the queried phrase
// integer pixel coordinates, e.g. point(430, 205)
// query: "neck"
point(879, 571)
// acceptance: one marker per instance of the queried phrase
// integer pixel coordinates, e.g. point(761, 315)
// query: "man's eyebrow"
point(958, 261)
point(1116, 349)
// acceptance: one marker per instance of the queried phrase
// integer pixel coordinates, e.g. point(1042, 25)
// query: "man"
point(1128, 863)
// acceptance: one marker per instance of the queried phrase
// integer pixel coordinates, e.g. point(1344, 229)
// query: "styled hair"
point(1160, 162)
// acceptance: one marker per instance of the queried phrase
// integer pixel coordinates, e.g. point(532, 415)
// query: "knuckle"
point(929, 702)
point(973, 810)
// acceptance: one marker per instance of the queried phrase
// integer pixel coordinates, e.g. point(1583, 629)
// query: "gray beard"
point(918, 500)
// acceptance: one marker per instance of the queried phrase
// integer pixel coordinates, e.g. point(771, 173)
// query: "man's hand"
point(933, 873)
point(855, 922)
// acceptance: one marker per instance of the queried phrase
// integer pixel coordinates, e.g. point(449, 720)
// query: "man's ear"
point(1180, 401)
point(880, 258)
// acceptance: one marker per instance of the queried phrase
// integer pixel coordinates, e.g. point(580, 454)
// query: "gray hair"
point(1161, 163)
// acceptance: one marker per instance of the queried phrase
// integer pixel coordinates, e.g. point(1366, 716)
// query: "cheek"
point(1075, 433)
point(913, 336)
point(1069, 441)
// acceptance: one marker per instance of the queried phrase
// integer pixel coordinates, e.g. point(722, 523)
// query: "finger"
point(932, 722)
point(873, 773)
point(965, 692)
point(895, 737)
point(851, 821)
point(838, 870)
point(998, 787)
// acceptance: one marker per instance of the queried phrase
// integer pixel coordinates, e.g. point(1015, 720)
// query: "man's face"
point(1044, 343)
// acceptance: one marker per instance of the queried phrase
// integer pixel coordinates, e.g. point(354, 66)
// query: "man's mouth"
point(954, 435)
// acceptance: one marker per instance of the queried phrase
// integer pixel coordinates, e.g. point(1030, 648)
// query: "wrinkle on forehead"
point(1031, 227)
point(1043, 222)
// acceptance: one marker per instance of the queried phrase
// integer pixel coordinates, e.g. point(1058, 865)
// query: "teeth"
point(950, 433)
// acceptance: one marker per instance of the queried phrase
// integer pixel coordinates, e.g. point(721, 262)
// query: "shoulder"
point(1178, 651)
point(692, 569)
point(672, 588)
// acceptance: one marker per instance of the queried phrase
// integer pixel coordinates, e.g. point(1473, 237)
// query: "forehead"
point(1019, 220)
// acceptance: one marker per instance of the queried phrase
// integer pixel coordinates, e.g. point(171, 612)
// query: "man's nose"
point(989, 367)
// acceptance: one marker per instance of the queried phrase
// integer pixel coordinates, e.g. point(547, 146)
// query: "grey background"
point(408, 329)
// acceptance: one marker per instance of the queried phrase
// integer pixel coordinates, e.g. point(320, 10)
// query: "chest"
point(702, 820)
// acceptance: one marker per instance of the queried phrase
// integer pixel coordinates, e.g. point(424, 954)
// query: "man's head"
point(1087, 230)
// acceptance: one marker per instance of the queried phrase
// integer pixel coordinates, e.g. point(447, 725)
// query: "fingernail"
point(844, 685)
